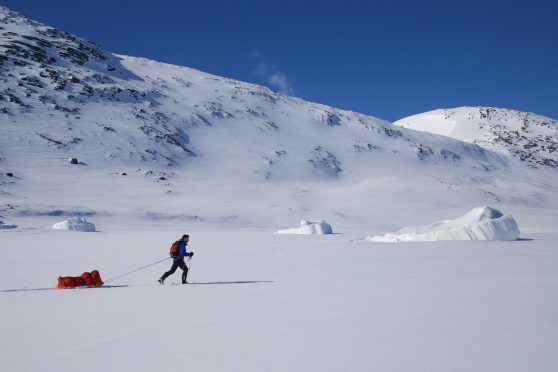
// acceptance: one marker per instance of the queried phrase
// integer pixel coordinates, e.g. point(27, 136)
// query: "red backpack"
point(175, 249)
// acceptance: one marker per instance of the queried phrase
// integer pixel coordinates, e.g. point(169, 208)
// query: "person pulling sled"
point(178, 252)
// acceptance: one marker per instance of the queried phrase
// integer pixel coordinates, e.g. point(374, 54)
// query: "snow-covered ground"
point(263, 302)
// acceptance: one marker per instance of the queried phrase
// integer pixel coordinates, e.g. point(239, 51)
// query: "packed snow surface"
point(309, 228)
point(269, 302)
point(481, 223)
point(75, 224)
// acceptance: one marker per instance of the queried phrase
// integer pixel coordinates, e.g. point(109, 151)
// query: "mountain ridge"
point(530, 137)
point(167, 142)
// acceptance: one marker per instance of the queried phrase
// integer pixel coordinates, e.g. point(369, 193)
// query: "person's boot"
point(184, 278)
point(161, 280)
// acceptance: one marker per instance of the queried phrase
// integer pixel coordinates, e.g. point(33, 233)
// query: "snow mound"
point(309, 228)
point(74, 224)
point(4, 226)
point(481, 223)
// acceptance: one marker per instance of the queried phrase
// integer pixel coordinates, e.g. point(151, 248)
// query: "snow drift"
point(309, 228)
point(4, 226)
point(75, 224)
point(481, 223)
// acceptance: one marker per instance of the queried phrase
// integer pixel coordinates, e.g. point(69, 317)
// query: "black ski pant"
point(176, 264)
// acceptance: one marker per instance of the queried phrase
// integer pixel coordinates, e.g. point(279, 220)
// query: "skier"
point(178, 252)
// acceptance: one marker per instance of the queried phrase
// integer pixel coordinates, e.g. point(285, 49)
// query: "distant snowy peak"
point(527, 136)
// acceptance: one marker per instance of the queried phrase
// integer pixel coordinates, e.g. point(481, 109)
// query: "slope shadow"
point(128, 286)
point(58, 289)
point(26, 290)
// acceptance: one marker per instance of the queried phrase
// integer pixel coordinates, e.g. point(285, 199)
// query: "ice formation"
point(481, 223)
point(309, 228)
point(74, 224)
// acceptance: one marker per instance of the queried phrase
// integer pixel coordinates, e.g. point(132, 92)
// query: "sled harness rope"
point(133, 271)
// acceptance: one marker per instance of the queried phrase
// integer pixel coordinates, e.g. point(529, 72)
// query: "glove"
point(191, 254)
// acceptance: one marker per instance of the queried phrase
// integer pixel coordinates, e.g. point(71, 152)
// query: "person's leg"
point(184, 268)
point(170, 272)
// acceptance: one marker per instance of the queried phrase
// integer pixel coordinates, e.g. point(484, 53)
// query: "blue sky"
point(388, 59)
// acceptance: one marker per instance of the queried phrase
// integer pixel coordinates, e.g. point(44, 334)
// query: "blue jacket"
point(182, 252)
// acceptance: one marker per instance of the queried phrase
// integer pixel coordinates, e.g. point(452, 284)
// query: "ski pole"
point(190, 263)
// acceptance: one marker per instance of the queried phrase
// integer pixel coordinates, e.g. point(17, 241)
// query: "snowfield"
point(262, 302)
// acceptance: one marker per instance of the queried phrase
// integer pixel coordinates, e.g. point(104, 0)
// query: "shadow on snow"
point(133, 286)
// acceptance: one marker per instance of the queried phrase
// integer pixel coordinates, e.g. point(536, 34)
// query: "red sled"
point(92, 279)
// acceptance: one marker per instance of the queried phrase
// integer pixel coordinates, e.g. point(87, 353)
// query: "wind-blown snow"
point(309, 228)
point(74, 224)
point(481, 223)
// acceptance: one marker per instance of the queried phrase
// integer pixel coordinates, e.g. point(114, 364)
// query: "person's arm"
point(186, 254)
point(183, 252)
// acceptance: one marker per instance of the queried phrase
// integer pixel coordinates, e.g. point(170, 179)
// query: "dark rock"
point(332, 119)
point(18, 48)
point(42, 42)
point(74, 55)
point(60, 86)
point(50, 74)
point(50, 140)
point(87, 91)
point(33, 81)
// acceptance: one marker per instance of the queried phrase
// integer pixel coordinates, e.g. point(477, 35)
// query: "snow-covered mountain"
point(82, 101)
point(530, 137)
point(205, 144)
